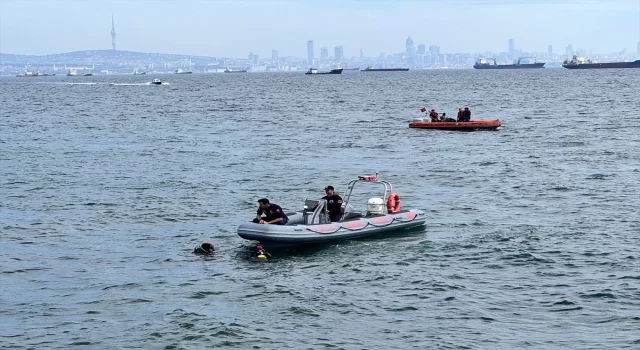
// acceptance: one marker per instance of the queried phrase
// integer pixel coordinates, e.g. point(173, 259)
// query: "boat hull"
point(385, 70)
point(509, 66)
point(460, 126)
point(294, 234)
point(634, 64)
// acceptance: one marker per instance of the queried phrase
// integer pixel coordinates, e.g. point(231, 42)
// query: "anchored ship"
point(369, 69)
point(485, 63)
point(333, 71)
point(578, 62)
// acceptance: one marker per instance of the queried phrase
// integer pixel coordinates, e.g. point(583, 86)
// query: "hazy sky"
point(235, 28)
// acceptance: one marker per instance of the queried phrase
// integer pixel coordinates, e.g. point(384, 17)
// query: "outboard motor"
point(375, 206)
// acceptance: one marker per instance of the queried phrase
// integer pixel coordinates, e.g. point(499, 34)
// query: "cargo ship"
point(578, 62)
point(35, 74)
point(182, 71)
point(369, 69)
point(333, 71)
point(484, 63)
point(235, 70)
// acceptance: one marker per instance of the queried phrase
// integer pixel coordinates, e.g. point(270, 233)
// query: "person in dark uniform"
point(466, 114)
point(273, 212)
point(204, 248)
point(334, 203)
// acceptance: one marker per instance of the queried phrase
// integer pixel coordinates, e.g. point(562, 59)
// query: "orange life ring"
point(393, 203)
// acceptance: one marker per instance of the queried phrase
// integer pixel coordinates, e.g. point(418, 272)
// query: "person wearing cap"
point(273, 212)
point(204, 248)
point(334, 203)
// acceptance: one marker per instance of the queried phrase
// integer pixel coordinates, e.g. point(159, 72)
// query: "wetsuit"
point(205, 248)
point(273, 212)
point(334, 202)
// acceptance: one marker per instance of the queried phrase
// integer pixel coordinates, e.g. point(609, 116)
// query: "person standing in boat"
point(466, 114)
point(273, 213)
point(334, 203)
point(460, 115)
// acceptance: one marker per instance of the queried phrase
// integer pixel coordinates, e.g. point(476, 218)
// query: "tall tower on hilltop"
point(113, 34)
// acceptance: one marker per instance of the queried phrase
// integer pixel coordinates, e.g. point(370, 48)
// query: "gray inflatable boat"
point(312, 224)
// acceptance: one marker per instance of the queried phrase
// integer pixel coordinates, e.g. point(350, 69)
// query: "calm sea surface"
point(532, 239)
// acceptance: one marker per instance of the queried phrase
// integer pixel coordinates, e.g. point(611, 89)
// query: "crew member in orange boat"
point(433, 115)
point(466, 114)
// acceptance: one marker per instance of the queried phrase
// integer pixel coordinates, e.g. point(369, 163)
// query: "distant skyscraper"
point(638, 49)
point(310, 52)
point(422, 49)
point(113, 34)
point(274, 55)
point(410, 50)
point(550, 51)
point(512, 46)
point(361, 53)
point(569, 50)
point(324, 53)
point(339, 53)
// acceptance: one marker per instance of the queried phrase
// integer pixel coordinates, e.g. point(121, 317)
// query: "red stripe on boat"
point(323, 228)
point(354, 224)
point(380, 220)
point(409, 215)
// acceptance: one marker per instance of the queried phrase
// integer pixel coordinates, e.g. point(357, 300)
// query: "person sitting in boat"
point(205, 248)
point(466, 114)
point(444, 118)
point(273, 213)
point(460, 115)
point(334, 203)
point(433, 115)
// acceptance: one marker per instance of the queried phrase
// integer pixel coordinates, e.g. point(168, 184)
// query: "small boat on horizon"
point(74, 73)
point(333, 71)
point(578, 62)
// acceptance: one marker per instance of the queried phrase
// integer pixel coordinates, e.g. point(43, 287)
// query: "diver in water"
point(262, 254)
point(205, 248)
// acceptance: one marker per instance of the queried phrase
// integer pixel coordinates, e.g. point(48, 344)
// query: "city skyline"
point(233, 29)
